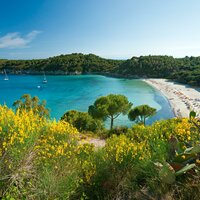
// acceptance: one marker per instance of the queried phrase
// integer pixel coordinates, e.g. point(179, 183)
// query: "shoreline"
point(182, 98)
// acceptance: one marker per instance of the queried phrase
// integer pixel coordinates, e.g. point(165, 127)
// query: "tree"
point(82, 121)
point(141, 113)
point(110, 107)
point(28, 103)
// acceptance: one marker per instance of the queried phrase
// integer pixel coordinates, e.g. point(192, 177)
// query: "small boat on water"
point(45, 79)
point(6, 76)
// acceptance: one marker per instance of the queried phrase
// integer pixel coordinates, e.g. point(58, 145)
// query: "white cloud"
point(16, 40)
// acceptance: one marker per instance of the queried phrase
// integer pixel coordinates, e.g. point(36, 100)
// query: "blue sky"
point(109, 28)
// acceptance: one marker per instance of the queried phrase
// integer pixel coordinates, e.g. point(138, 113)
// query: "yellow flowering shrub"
point(123, 149)
point(163, 130)
point(85, 155)
point(28, 145)
point(38, 154)
point(57, 140)
point(183, 131)
point(22, 129)
point(17, 127)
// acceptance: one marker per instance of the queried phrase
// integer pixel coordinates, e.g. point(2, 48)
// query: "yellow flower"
point(4, 144)
point(197, 161)
point(183, 156)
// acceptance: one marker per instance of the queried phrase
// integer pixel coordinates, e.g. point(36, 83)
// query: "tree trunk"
point(111, 123)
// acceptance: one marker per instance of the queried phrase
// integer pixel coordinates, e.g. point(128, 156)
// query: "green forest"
point(184, 70)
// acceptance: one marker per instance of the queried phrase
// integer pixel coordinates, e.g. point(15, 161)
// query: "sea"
point(78, 92)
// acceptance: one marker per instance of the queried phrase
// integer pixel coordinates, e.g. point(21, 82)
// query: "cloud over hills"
point(16, 40)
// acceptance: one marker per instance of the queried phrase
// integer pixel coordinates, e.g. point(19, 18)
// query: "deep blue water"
point(64, 93)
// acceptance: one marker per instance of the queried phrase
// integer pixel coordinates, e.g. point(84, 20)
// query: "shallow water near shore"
point(64, 93)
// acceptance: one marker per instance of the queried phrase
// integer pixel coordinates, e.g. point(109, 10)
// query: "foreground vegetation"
point(44, 159)
point(184, 70)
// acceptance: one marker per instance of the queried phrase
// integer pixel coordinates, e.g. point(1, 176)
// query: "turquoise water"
point(64, 93)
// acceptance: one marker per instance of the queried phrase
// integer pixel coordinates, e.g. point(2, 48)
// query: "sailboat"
point(45, 79)
point(6, 76)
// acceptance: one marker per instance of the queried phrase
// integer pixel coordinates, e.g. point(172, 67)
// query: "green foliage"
point(184, 70)
point(125, 167)
point(141, 113)
point(182, 159)
point(34, 153)
point(70, 63)
point(26, 102)
point(110, 106)
point(82, 121)
point(192, 114)
point(194, 121)
point(119, 130)
point(167, 174)
point(180, 163)
point(150, 66)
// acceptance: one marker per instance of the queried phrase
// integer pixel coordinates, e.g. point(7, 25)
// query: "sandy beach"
point(182, 98)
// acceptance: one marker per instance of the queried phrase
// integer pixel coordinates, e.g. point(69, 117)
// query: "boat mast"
point(6, 76)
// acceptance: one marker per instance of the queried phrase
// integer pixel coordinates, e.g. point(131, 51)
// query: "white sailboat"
point(45, 79)
point(6, 76)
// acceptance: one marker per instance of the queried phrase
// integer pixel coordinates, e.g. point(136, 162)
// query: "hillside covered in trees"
point(184, 70)
point(64, 63)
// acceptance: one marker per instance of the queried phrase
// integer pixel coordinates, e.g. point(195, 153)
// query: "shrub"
point(82, 121)
point(34, 152)
point(43, 159)
point(26, 102)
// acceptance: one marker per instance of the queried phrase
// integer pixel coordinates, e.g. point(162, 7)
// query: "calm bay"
point(64, 93)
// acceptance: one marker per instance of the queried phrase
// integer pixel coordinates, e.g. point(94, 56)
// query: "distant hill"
point(184, 70)
point(75, 62)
